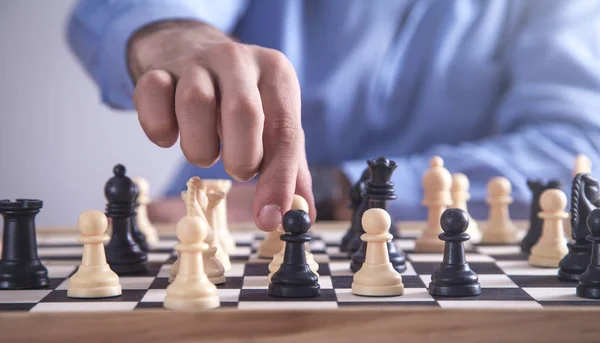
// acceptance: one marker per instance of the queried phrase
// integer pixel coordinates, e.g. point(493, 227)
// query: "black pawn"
point(589, 281)
point(123, 253)
point(454, 278)
point(20, 267)
point(378, 191)
point(535, 222)
point(294, 279)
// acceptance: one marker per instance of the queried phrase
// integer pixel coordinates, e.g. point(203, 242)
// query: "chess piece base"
point(575, 262)
point(191, 305)
point(377, 291)
point(15, 275)
point(289, 291)
point(455, 290)
point(94, 282)
point(377, 280)
point(278, 260)
point(588, 292)
point(195, 293)
point(218, 280)
point(545, 261)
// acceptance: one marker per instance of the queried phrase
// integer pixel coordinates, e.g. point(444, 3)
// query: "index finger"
point(282, 139)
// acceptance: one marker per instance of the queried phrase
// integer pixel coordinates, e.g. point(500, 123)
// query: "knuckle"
point(200, 157)
point(195, 96)
point(241, 172)
point(284, 130)
point(277, 62)
point(235, 53)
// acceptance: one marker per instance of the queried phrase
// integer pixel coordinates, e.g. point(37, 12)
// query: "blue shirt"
point(496, 88)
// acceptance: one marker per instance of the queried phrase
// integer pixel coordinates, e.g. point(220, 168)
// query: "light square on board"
point(23, 296)
point(523, 268)
point(158, 295)
point(556, 294)
point(410, 295)
point(127, 282)
point(60, 296)
point(485, 280)
point(438, 258)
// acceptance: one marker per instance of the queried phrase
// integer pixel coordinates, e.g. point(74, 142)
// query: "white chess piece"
point(377, 276)
point(196, 202)
point(214, 198)
point(191, 290)
point(94, 278)
point(143, 222)
point(271, 244)
point(437, 183)
point(212, 266)
point(500, 228)
point(221, 228)
point(552, 245)
point(582, 164)
point(460, 197)
point(298, 203)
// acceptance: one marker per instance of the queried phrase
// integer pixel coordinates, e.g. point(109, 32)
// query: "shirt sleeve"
point(550, 113)
point(98, 32)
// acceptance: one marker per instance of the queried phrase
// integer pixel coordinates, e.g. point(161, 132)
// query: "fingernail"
point(269, 217)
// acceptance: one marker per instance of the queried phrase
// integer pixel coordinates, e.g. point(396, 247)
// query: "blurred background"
point(58, 143)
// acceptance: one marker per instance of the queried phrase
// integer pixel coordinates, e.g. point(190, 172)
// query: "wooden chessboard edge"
point(341, 325)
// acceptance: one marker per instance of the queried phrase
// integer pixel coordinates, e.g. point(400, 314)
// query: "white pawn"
point(552, 245)
point(214, 198)
point(298, 203)
point(377, 276)
point(582, 164)
point(191, 290)
point(94, 278)
point(500, 228)
point(271, 244)
point(142, 220)
point(460, 196)
point(437, 183)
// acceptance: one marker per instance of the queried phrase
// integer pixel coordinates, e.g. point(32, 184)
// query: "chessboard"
point(513, 292)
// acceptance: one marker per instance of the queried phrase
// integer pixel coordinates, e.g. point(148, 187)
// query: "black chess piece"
point(378, 191)
point(534, 232)
point(356, 199)
point(585, 197)
point(294, 279)
point(20, 267)
point(454, 278)
point(589, 281)
point(123, 253)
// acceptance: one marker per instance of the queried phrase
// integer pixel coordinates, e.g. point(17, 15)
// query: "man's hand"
point(225, 100)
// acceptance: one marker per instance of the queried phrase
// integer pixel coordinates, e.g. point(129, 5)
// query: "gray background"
point(58, 143)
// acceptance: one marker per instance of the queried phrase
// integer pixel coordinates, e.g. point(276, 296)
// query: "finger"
point(196, 112)
point(153, 100)
point(282, 141)
point(242, 115)
point(304, 185)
